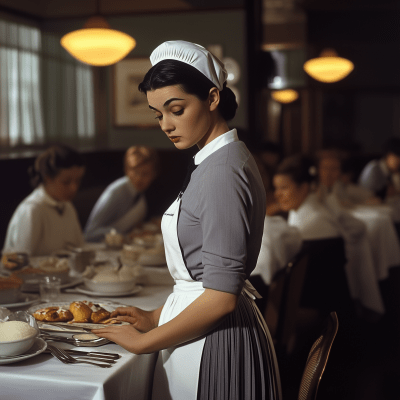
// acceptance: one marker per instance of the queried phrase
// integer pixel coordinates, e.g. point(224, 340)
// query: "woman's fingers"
point(131, 320)
point(123, 311)
point(124, 335)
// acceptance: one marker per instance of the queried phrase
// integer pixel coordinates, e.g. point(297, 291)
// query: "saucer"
point(34, 287)
point(24, 300)
point(84, 290)
point(39, 346)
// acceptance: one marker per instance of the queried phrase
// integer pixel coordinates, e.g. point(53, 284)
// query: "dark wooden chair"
point(325, 285)
point(283, 300)
point(317, 359)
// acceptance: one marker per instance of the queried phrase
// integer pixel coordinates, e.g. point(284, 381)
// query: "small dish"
point(34, 286)
point(85, 290)
point(23, 300)
point(39, 346)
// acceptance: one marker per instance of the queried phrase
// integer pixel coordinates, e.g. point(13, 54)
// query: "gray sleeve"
point(224, 214)
point(106, 210)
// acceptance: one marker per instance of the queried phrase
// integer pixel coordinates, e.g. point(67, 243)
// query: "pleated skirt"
point(236, 361)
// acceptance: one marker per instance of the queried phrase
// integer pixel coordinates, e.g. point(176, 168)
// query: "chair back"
point(317, 359)
point(325, 285)
point(284, 298)
point(290, 304)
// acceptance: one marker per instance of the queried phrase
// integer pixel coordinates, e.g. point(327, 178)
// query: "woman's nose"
point(167, 126)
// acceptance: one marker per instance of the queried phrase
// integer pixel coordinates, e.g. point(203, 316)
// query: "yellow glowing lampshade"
point(285, 96)
point(97, 44)
point(329, 67)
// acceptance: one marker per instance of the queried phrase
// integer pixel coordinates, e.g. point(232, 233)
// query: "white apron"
point(177, 369)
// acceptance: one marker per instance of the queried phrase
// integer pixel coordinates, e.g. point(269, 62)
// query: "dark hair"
point(393, 146)
point(174, 72)
point(300, 168)
point(52, 161)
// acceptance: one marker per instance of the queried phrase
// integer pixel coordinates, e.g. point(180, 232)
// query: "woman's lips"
point(174, 139)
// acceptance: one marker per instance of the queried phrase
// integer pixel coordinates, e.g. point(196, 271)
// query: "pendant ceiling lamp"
point(328, 67)
point(285, 96)
point(97, 44)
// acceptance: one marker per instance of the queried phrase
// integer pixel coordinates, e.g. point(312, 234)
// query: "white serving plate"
point(109, 306)
point(39, 346)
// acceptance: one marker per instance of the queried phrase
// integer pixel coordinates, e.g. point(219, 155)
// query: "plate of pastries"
point(82, 314)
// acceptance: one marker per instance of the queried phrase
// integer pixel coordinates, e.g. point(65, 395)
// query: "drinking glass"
point(49, 288)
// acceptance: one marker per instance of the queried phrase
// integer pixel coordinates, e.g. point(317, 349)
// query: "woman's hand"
point(125, 335)
point(142, 321)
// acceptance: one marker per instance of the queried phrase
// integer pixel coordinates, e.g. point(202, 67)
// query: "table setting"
point(63, 353)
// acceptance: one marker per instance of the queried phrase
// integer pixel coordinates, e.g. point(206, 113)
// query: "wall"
point(226, 28)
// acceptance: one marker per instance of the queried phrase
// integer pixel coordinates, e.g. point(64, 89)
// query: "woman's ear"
point(213, 98)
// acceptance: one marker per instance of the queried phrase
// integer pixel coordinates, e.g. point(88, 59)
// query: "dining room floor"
point(364, 360)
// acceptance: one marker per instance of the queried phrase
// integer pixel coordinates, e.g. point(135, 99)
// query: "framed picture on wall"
point(130, 106)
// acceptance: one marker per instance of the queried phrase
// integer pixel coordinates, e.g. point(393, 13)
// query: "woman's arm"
point(204, 314)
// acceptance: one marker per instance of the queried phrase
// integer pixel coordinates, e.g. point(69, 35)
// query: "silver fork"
point(67, 359)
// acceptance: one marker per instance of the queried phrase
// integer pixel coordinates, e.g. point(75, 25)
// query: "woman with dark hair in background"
point(212, 340)
point(294, 182)
point(46, 220)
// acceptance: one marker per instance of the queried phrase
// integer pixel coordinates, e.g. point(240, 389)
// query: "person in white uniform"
point(46, 220)
point(212, 340)
point(122, 205)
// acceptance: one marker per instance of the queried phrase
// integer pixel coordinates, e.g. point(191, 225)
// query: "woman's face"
point(183, 117)
point(393, 162)
point(329, 171)
point(288, 193)
point(141, 176)
point(65, 185)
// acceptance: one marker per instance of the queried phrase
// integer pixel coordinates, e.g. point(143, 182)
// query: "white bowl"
point(15, 347)
point(110, 287)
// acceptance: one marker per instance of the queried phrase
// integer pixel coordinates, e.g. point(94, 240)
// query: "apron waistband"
point(195, 287)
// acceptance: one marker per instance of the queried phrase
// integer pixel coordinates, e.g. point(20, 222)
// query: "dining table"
point(46, 378)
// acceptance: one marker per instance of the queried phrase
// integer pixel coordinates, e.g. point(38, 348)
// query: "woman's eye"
point(159, 117)
point(180, 112)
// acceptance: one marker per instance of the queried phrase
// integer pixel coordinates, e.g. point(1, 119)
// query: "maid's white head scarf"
point(195, 55)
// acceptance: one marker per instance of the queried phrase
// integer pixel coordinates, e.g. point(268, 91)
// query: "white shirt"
point(217, 143)
point(38, 228)
point(280, 243)
point(314, 220)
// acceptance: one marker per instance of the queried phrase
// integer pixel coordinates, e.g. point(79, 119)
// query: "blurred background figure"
point(122, 205)
point(294, 181)
point(383, 176)
point(280, 243)
point(46, 220)
point(336, 171)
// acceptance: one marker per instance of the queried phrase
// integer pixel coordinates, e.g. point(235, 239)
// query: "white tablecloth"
point(46, 378)
point(382, 237)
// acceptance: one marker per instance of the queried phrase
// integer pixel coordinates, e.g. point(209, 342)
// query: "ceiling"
point(82, 8)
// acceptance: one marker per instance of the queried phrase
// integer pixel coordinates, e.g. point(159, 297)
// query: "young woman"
point(46, 220)
point(293, 182)
point(212, 340)
point(122, 205)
